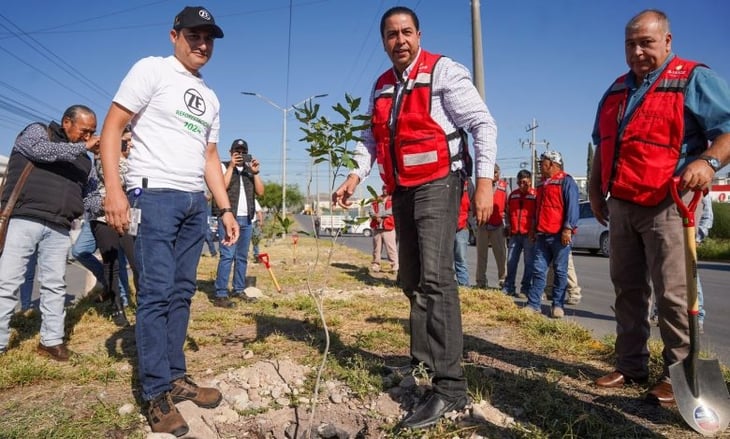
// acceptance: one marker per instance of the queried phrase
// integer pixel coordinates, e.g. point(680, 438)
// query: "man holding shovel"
point(653, 123)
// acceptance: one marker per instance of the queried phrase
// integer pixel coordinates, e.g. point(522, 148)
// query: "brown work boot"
point(184, 389)
point(58, 352)
point(164, 417)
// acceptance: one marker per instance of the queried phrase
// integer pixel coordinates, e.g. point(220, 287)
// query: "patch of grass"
point(714, 249)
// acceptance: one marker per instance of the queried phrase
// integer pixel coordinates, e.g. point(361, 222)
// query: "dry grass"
point(536, 370)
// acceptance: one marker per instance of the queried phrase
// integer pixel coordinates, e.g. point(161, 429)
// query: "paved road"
point(594, 312)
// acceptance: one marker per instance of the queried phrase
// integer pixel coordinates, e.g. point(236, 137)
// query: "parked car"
point(591, 235)
point(361, 227)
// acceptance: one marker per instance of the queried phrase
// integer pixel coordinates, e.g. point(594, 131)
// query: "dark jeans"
point(110, 246)
point(167, 249)
point(426, 219)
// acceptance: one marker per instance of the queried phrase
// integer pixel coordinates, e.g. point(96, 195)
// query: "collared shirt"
point(706, 103)
point(455, 103)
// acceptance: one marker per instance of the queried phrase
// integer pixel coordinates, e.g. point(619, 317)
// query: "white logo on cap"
point(205, 15)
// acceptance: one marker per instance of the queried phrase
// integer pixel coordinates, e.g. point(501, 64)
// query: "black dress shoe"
point(431, 410)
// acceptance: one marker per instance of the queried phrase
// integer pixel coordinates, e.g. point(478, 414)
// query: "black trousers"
point(426, 219)
point(110, 243)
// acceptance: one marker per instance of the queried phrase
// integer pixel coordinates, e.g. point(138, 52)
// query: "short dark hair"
point(524, 174)
point(398, 10)
point(74, 110)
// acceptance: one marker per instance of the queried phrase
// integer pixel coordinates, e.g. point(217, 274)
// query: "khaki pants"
point(385, 237)
point(495, 238)
point(573, 291)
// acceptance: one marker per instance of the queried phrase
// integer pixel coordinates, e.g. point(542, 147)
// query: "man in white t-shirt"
point(243, 184)
point(175, 127)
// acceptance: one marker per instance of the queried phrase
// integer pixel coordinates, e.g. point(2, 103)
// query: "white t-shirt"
point(242, 202)
point(176, 116)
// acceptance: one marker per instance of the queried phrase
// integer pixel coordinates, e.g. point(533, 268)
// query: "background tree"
point(272, 196)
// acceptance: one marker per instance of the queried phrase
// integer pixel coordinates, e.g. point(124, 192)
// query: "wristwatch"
point(226, 209)
point(712, 161)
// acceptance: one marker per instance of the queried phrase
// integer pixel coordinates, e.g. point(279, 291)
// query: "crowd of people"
point(146, 204)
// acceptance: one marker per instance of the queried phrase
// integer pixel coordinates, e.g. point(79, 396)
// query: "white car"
point(362, 228)
point(591, 235)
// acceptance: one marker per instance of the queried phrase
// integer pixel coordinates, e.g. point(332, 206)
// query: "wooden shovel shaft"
point(273, 278)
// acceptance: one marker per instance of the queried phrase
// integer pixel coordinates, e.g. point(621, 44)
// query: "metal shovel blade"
point(705, 408)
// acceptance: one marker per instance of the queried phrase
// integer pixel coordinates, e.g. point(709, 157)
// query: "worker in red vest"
point(665, 117)
point(492, 235)
point(383, 226)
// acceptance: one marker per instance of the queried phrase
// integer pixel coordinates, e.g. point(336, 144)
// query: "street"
point(594, 312)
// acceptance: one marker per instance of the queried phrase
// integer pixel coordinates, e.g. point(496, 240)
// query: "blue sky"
point(550, 61)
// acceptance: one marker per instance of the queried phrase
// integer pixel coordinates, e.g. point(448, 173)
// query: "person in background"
point(209, 241)
point(110, 243)
point(461, 243)
point(427, 96)
point(258, 230)
point(492, 235)
point(383, 226)
point(680, 106)
point(556, 218)
point(520, 214)
point(52, 197)
point(243, 183)
point(703, 231)
point(175, 126)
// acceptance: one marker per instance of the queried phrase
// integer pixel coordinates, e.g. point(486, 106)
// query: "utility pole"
point(476, 44)
point(532, 143)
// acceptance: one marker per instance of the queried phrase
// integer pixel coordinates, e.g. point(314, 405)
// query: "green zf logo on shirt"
point(195, 102)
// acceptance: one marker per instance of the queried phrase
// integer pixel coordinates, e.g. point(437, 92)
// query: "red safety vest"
point(499, 201)
point(521, 211)
point(418, 152)
point(638, 165)
point(388, 223)
point(464, 207)
point(550, 210)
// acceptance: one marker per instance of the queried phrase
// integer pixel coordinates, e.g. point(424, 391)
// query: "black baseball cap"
point(240, 144)
point(196, 16)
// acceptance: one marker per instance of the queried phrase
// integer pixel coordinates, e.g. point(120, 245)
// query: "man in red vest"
point(520, 213)
point(383, 226)
point(653, 123)
point(556, 219)
point(492, 234)
point(420, 110)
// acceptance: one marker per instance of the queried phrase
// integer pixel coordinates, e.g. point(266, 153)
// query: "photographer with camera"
point(243, 184)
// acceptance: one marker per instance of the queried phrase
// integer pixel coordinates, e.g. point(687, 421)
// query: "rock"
point(126, 409)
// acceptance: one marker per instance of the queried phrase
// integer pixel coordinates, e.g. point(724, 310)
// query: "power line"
point(55, 59)
point(32, 98)
point(46, 75)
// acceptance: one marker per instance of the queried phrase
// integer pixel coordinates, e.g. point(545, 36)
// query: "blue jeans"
point(460, 247)
point(425, 219)
point(83, 251)
point(167, 250)
point(549, 250)
point(519, 244)
point(52, 242)
point(236, 255)
point(26, 290)
point(209, 241)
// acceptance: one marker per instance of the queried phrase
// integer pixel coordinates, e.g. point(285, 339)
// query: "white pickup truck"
point(338, 224)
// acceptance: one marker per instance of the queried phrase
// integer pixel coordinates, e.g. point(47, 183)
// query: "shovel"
point(264, 257)
point(699, 387)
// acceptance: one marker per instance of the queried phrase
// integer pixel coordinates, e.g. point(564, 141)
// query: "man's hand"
point(343, 193)
point(566, 237)
point(116, 210)
point(93, 144)
point(697, 176)
point(232, 229)
point(483, 200)
point(255, 166)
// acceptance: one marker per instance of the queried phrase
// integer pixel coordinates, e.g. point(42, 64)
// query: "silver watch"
point(712, 161)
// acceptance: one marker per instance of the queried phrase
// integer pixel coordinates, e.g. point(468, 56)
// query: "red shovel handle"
point(264, 258)
point(685, 211)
